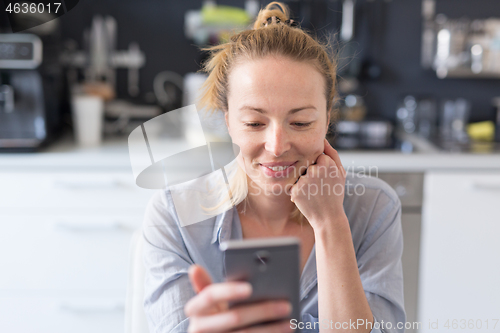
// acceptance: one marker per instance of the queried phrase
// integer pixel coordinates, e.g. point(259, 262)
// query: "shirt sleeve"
point(166, 287)
point(380, 267)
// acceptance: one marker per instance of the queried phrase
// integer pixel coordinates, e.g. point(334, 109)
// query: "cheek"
point(312, 144)
point(241, 162)
point(246, 143)
point(248, 149)
point(313, 153)
point(245, 158)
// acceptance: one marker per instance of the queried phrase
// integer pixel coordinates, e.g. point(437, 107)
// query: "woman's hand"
point(209, 310)
point(319, 194)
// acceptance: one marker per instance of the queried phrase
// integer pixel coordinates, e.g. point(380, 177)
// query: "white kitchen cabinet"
point(65, 252)
point(460, 263)
point(68, 188)
point(64, 247)
point(79, 313)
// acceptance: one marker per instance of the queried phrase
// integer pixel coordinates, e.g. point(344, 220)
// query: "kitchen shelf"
point(466, 73)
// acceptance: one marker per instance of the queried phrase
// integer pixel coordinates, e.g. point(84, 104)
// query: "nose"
point(277, 140)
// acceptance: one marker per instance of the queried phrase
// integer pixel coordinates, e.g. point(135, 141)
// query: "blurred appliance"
point(417, 115)
point(367, 134)
point(376, 134)
point(29, 114)
point(354, 108)
point(100, 59)
point(460, 48)
point(454, 118)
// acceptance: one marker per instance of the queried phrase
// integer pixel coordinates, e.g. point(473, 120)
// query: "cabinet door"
point(80, 313)
point(99, 190)
point(460, 263)
point(65, 252)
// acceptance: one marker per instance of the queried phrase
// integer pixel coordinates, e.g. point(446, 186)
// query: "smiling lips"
point(280, 169)
point(274, 164)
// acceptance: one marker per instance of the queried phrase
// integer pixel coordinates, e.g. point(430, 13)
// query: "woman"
point(276, 85)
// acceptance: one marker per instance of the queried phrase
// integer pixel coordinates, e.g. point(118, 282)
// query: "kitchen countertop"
point(113, 154)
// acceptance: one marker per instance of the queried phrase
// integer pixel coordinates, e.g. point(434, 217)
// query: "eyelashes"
point(303, 124)
point(253, 125)
point(257, 125)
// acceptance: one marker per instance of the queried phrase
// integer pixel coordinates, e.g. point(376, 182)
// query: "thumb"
point(199, 277)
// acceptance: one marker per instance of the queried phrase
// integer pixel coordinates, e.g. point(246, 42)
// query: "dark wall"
point(388, 33)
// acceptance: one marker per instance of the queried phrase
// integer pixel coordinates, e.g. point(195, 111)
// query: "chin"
point(277, 187)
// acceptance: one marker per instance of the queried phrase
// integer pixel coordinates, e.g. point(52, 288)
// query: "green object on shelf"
point(225, 15)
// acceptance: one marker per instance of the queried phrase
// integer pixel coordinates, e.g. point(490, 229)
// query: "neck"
point(266, 209)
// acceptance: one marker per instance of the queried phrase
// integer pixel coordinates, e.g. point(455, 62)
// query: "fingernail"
point(245, 289)
point(285, 308)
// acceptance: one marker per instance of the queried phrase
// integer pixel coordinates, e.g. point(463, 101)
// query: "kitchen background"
point(388, 33)
point(384, 61)
point(418, 102)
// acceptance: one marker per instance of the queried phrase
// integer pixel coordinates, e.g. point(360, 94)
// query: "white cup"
point(87, 113)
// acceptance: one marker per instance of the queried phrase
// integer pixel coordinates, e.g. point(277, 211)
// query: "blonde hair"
point(276, 39)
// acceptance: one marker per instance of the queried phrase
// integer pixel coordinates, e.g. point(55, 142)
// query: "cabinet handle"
point(89, 226)
point(86, 184)
point(104, 307)
point(486, 187)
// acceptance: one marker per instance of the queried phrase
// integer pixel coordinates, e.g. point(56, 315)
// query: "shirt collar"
point(222, 221)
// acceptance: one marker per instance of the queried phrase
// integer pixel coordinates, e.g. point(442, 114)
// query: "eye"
point(302, 124)
point(253, 125)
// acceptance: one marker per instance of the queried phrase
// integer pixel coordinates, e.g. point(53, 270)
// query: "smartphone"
point(270, 265)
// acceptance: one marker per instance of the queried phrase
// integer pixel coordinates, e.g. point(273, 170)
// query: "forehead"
point(276, 83)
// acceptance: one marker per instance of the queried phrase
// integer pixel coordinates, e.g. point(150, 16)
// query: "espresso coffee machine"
point(29, 108)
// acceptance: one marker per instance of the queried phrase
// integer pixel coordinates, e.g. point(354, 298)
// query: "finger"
point(280, 326)
point(330, 151)
point(297, 189)
point(303, 173)
point(243, 315)
point(199, 278)
point(214, 294)
point(303, 170)
point(289, 187)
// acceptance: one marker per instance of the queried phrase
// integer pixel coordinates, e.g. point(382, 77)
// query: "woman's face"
point(277, 116)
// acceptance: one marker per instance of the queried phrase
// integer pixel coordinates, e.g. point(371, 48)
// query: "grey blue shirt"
point(374, 213)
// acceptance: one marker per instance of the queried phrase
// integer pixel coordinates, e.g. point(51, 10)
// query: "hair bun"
point(274, 13)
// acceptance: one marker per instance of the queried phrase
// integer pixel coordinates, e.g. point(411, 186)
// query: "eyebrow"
point(292, 111)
